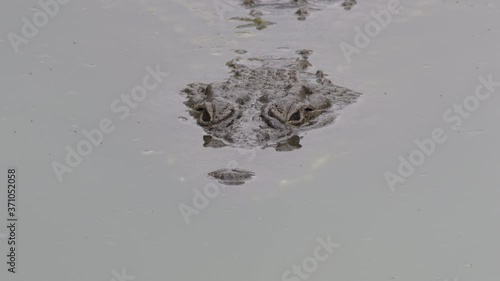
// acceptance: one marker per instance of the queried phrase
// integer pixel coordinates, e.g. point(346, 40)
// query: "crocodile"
point(301, 7)
point(266, 102)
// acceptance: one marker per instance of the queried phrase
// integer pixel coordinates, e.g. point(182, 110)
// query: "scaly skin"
point(266, 102)
point(231, 176)
point(302, 7)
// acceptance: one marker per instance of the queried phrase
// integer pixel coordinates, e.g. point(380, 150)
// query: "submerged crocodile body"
point(302, 7)
point(231, 176)
point(266, 102)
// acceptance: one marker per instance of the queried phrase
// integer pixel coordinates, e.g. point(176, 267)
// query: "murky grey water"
point(121, 206)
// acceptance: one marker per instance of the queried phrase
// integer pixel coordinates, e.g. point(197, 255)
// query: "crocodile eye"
point(213, 113)
point(205, 116)
point(308, 109)
point(295, 116)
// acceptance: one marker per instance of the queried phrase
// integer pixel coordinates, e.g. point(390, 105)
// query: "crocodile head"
point(265, 102)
